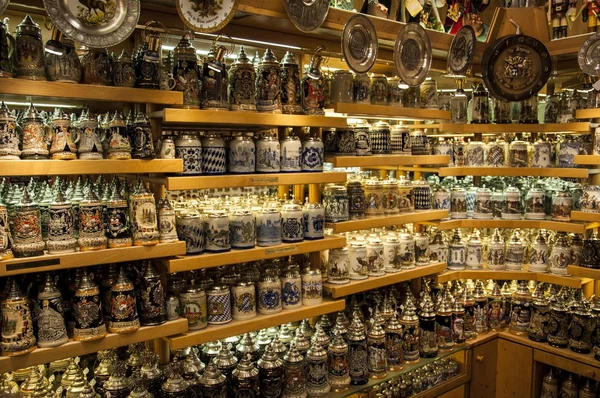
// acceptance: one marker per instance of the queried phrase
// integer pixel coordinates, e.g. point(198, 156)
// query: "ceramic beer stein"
point(64, 137)
point(17, 335)
point(124, 317)
point(97, 67)
point(52, 331)
point(119, 146)
point(27, 234)
point(186, 72)
point(91, 137)
point(268, 84)
point(124, 71)
point(242, 89)
point(118, 225)
point(91, 223)
point(167, 222)
point(61, 221)
point(9, 137)
point(7, 47)
point(142, 212)
point(28, 57)
point(36, 135)
point(62, 65)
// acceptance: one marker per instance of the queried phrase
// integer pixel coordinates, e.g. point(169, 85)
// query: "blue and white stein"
point(441, 198)
point(268, 226)
point(218, 303)
point(291, 150)
point(242, 229)
point(312, 287)
point(242, 154)
point(457, 252)
point(214, 160)
point(243, 300)
point(471, 193)
point(312, 154)
point(292, 229)
point(269, 294)
point(216, 232)
point(190, 229)
point(189, 148)
point(268, 154)
point(291, 288)
point(314, 221)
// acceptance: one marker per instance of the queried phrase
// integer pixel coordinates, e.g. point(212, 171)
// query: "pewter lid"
point(421, 182)
point(495, 292)
point(278, 347)
point(289, 59)
point(225, 359)
point(540, 239)
point(212, 375)
point(29, 27)
point(316, 352)
point(268, 57)
point(245, 368)
point(409, 314)
point(217, 289)
point(293, 356)
point(30, 114)
point(302, 343)
point(124, 58)
point(117, 120)
point(427, 307)
point(497, 238)
point(270, 359)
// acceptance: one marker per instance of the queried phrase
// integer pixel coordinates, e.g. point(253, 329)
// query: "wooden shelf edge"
point(17, 168)
point(574, 281)
point(513, 172)
point(77, 348)
point(384, 111)
point(588, 159)
point(338, 291)
point(386, 160)
point(54, 262)
point(209, 260)
point(246, 180)
point(588, 113)
point(87, 92)
point(234, 328)
point(522, 224)
point(444, 387)
point(577, 367)
point(584, 272)
point(380, 222)
point(514, 127)
point(577, 215)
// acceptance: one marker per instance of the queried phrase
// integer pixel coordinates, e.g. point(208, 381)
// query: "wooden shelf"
point(54, 262)
point(227, 119)
point(380, 281)
point(515, 128)
point(588, 113)
point(587, 159)
point(585, 216)
point(210, 260)
point(536, 224)
point(513, 172)
point(585, 364)
point(584, 272)
point(387, 221)
point(20, 89)
point(386, 160)
point(566, 45)
point(17, 168)
point(508, 275)
point(235, 328)
point(384, 112)
point(77, 348)
point(246, 180)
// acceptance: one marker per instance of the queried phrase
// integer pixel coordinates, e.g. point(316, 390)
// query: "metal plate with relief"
point(412, 54)
point(96, 24)
point(3, 5)
point(359, 43)
point(588, 56)
point(206, 15)
point(307, 15)
point(516, 67)
point(460, 56)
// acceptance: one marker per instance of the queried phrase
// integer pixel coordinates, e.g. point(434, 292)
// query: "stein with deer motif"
point(63, 144)
point(90, 145)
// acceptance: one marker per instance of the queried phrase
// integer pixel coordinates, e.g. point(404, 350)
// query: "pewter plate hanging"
point(3, 5)
point(307, 15)
point(412, 54)
point(359, 43)
point(460, 56)
point(589, 55)
point(206, 15)
point(93, 23)
point(516, 67)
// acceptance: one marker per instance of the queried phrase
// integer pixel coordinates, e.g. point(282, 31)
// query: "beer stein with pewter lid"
point(7, 47)
point(27, 232)
point(91, 137)
point(185, 71)
point(17, 326)
point(87, 310)
point(242, 91)
point(123, 314)
point(91, 223)
point(36, 135)
point(124, 71)
point(118, 225)
point(9, 138)
point(52, 330)
point(61, 225)
point(268, 83)
point(62, 61)
point(5, 237)
point(64, 137)
point(97, 67)
point(28, 58)
point(119, 146)
point(142, 212)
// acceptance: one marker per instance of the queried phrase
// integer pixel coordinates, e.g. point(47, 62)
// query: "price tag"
point(414, 7)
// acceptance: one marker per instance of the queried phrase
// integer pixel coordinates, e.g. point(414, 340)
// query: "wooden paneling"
point(514, 370)
point(583, 369)
point(458, 392)
point(483, 373)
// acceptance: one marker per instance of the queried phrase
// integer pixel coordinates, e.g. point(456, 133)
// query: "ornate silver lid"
point(268, 58)
point(270, 359)
point(293, 356)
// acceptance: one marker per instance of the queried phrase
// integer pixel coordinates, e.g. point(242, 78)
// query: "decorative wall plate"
point(516, 67)
point(460, 56)
point(412, 54)
point(3, 5)
point(206, 15)
point(96, 24)
point(589, 55)
point(359, 43)
point(307, 15)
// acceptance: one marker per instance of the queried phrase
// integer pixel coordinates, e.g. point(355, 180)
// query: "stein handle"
point(48, 134)
point(170, 82)
point(75, 133)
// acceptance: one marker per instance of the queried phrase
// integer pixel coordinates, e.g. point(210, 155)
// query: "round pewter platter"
point(3, 5)
point(412, 54)
point(96, 24)
point(588, 56)
point(460, 55)
point(207, 16)
point(307, 15)
point(359, 43)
